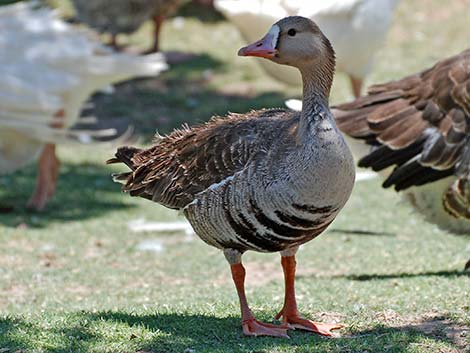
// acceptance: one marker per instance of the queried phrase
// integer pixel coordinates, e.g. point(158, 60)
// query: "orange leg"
point(251, 326)
point(356, 84)
point(289, 313)
point(48, 171)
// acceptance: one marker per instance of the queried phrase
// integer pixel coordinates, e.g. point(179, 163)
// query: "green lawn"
point(72, 279)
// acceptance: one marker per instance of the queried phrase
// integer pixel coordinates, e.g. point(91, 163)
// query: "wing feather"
point(190, 160)
point(421, 126)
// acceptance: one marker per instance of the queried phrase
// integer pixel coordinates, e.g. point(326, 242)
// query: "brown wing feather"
point(420, 125)
point(190, 160)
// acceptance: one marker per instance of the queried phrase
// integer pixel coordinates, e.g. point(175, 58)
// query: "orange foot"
point(295, 321)
point(253, 327)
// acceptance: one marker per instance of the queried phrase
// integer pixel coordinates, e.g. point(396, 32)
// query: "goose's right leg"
point(251, 326)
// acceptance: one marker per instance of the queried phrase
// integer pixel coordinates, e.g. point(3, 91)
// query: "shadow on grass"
point(201, 332)
point(375, 276)
point(20, 336)
point(84, 331)
point(83, 191)
point(10, 337)
point(183, 94)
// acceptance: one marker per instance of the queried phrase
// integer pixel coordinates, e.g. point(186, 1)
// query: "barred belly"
point(231, 214)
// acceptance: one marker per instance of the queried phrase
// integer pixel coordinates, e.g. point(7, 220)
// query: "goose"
point(418, 129)
point(356, 28)
point(267, 181)
point(125, 16)
point(49, 69)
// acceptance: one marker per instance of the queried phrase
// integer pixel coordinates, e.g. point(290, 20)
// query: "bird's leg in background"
point(289, 313)
point(48, 170)
point(157, 26)
point(356, 85)
point(171, 57)
point(467, 266)
point(251, 326)
point(113, 43)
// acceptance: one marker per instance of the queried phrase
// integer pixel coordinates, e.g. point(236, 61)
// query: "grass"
point(74, 280)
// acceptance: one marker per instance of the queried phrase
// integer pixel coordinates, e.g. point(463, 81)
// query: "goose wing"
point(421, 126)
point(190, 160)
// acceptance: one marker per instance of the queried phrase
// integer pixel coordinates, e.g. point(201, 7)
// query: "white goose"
point(49, 69)
point(356, 28)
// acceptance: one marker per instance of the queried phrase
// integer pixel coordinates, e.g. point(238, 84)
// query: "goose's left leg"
point(289, 313)
point(250, 326)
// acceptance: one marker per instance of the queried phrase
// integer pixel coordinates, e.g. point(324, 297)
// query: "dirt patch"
point(16, 293)
point(261, 273)
point(432, 325)
point(257, 274)
point(11, 261)
point(50, 260)
point(443, 328)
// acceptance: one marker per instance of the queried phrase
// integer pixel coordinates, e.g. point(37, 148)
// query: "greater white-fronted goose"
point(356, 28)
point(420, 126)
point(48, 70)
point(267, 181)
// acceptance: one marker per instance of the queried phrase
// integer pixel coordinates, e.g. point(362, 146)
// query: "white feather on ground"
point(141, 225)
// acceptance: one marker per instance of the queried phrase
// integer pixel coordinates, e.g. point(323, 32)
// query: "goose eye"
point(291, 32)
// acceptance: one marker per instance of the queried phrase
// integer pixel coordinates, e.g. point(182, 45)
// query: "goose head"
point(297, 41)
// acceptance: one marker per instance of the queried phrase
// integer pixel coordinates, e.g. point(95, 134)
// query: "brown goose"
point(267, 181)
point(420, 126)
point(125, 16)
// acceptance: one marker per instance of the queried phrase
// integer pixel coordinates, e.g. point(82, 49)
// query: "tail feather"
point(124, 155)
point(121, 178)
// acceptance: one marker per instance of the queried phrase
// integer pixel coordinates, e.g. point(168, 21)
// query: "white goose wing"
point(253, 18)
point(323, 7)
point(48, 66)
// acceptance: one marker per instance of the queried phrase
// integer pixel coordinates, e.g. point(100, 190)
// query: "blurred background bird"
point(49, 69)
point(125, 16)
point(356, 28)
point(418, 133)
